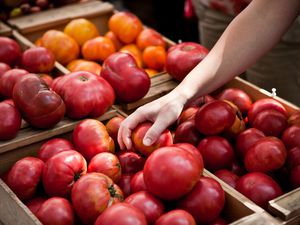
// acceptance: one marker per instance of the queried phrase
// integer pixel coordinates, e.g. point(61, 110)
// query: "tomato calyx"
point(83, 78)
point(113, 192)
point(77, 176)
point(188, 48)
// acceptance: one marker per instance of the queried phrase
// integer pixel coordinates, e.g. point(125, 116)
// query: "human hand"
point(162, 112)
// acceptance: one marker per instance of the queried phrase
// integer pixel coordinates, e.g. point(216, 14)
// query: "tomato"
point(293, 157)
point(176, 217)
point(258, 187)
point(8, 81)
point(3, 68)
point(93, 95)
point(107, 163)
point(227, 176)
point(294, 177)
point(56, 210)
point(10, 120)
point(35, 204)
point(54, 146)
point(90, 137)
point(39, 106)
point(266, 155)
point(121, 214)
point(61, 171)
point(217, 153)
point(291, 136)
point(10, 51)
point(24, 177)
point(92, 194)
point(187, 132)
point(178, 175)
point(137, 182)
point(151, 206)
point(130, 82)
point(124, 183)
point(131, 162)
point(205, 202)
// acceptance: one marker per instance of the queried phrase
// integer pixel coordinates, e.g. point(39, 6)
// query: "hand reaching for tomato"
point(162, 112)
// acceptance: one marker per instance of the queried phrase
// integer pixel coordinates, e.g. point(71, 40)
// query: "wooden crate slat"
point(30, 135)
point(5, 30)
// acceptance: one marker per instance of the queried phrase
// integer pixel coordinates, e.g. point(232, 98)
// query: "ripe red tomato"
point(266, 155)
point(293, 157)
point(258, 187)
point(54, 146)
point(131, 162)
point(137, 182)
point(61, 171)
point(124, 183)
point(227, 176)
point(192, 149)
point(295, 177)
point(107, 163)
point(291, 137)
point(34, 204)
point(217, 153)
point(93, 95)
point(24, 177)
point(205, 202)
point(187, 132)
point(10, 120)
point(178, 175)
point(10, 51)
point(176, 217)
point(92, 194)
point(151, 206)
point(40, 106)
point(90, 137)
point(56, 210)
point(121, 214)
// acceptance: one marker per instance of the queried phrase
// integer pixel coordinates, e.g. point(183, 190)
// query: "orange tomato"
point(154, 57)
point(38, 42)
point(150, 37)
point(64, 48)
point(111, 35)
point(98, 48)
point(126, 26)
point(151, 72)
point(81, 30)
point(133, 50)
point(84, 65)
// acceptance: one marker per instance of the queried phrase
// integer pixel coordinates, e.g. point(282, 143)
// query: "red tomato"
point(61, 171)
point(10, 120)
point(56, 211)
point(8, 81)
point(137, 182)
point(176, 217)
point(40, 106)
point(227, 176)
point(93, 95)
point(217, 153)
point(151, 206)
point(121, 214)
point(178, 175)
point(24, 177)
point(90, 137)
point(35, 204)
point(3, 68)
point(293, 157)
point(258, 187)
point(192, 149)
point(131, 162)
point(124, 183)
point(266, 155)
point(54, 146)
point(295, 177)
point(92, 194)
point(205, 202)
point(218, 221)
point(291, 136)
point(107, 163)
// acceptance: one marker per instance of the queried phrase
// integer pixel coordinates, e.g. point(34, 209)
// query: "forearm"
point(250, 35)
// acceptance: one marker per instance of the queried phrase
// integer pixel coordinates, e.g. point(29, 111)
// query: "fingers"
point(125, 130)
point(161, 124)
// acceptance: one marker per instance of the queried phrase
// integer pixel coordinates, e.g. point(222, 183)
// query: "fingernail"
point(147, 141)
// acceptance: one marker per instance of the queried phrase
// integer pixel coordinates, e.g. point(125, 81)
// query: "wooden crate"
point(12, 210)
point(237, 209)
point(5, 30)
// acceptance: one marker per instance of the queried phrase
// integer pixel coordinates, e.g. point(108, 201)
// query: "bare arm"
point(249, 36)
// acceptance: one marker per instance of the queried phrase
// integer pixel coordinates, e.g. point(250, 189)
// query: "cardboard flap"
point(57, 16)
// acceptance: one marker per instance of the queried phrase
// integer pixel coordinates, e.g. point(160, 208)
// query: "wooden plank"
point(5, 30)
point(256, 219)
point(286, 206)
point(12, 210)
point(31, 135)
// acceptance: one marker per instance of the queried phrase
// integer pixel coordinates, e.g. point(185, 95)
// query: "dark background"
point(166, 16)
